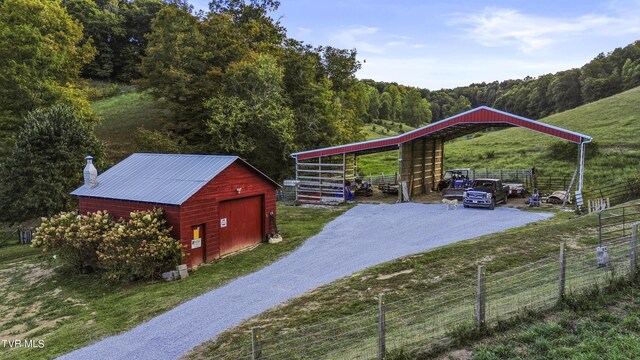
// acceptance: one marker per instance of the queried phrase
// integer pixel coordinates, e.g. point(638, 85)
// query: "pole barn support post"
point(424, 164)
point(344, 178)
point(441, 158)
point(400, 173)
point(579, 202)
point(433, 165)
point(297, 180)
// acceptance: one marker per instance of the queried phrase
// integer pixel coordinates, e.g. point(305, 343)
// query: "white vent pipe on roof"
point(90, 173)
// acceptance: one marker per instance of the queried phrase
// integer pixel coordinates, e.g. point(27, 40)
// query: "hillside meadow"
point(614, 124)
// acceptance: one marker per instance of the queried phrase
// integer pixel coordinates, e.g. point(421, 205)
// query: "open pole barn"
point(322, 173)
point(215, 204)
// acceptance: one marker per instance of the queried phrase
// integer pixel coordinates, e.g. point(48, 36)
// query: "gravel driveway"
point(362, 237)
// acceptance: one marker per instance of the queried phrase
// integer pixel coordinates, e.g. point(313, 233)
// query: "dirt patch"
point(311, 306)
point(571, 243)
point(17, 329)
point(37, 274)
point(74, 302)
point(485, 260)
point(389, 276)
point(460, 354)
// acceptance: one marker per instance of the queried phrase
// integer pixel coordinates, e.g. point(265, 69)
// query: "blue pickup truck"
point(485, 193)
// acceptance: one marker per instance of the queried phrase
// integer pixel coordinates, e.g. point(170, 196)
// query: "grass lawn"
point(613, 123)
point(385, 162)
point(69, 311)
point(122, 115)
point(601, 327)
point(423, 274)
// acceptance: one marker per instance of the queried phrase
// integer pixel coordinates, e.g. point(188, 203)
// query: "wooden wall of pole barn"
point(422, 164)
point(200, 209)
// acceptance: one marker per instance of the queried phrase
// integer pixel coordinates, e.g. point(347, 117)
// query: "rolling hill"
point(614, 124)
point(122, 115)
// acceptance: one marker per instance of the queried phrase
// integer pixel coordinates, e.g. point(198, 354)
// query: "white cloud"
point(371, 40)
point(302, 31)
point(358, 37)
point(507, 27)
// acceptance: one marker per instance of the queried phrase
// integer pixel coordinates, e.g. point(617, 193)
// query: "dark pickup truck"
point(485, 193)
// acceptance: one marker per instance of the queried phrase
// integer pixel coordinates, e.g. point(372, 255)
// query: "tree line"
point(235, 82)
point(536, 98)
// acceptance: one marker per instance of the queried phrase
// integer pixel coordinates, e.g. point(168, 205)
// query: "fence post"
point(480, 299)
point(634, 252)
point(381, 329)
point(600, 227)
point(623, 222)
point(256, 347)
point(561, 279)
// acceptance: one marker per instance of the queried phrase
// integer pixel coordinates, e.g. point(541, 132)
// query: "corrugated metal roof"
point(479, 115)
point(157, 178)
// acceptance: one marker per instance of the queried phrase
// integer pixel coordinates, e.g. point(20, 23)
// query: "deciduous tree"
point(40, 62)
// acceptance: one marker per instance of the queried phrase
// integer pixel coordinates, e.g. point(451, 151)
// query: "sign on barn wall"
point(197, 240)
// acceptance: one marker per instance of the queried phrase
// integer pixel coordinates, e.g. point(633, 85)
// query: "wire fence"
point(419, 323)
point(15, 236)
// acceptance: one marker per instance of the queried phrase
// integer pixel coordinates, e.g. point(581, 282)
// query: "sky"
point(445, 44)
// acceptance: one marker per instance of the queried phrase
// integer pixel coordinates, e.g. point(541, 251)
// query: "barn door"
point(240, 224)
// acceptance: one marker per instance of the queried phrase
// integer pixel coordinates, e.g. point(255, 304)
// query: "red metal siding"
point(242, 224)
point(203, 206)
point(201, 209)
point(122, 208)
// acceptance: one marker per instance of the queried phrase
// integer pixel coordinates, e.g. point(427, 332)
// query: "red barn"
point(215, 204)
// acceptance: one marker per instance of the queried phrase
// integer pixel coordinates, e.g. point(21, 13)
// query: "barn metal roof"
point(459, 125)
point(159, 178)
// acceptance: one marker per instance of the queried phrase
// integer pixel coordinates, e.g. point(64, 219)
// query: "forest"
point(233, 80)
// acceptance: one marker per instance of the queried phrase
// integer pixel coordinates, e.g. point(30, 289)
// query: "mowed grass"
point(427, 274)
point(601, 327)
point(385, 162)
point(69, 311)
point(614, 124)
point(122, 115)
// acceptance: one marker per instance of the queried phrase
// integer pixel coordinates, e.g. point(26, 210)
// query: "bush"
point(140, 248)
point(567, 151)
point(45, 164)
point(102, 90)
point(74, 238)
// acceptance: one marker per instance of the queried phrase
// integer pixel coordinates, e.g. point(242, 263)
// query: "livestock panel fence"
point(617, 222)
point(420, 323)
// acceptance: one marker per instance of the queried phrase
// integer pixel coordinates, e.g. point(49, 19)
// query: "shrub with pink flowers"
point(139, 248)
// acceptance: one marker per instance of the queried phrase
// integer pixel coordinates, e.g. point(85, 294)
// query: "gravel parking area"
point(362, 237)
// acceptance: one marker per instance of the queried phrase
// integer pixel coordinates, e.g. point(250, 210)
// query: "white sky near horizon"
point(444, 44)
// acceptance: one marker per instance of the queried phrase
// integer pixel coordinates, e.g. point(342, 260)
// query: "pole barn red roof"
point(449, 128)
